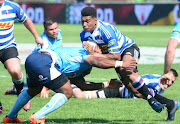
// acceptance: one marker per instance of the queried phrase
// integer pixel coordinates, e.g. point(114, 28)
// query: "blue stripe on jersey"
point(5, 36)
point(105, 31)
point(7, 42)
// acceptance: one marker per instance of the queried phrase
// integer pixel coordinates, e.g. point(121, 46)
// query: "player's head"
point(1, 2)
point(89, 19)
point(173, 75)
point(51, 27)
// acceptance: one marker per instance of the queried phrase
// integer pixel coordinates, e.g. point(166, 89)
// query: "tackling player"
point(117, 46)
point(48, 68)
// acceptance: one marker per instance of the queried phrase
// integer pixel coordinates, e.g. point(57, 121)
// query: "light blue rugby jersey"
point(176, 32)
point(50, 43)
point(9, 11)
point(151, 81)
point(108, 37)
point(70, 60)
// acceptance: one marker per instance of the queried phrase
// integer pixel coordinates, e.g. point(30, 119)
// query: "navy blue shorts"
point(41, 71)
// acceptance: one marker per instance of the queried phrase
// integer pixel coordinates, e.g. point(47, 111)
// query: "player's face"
point(89, 24)
point(173, 79)
point(1, 2)
point(52, 31)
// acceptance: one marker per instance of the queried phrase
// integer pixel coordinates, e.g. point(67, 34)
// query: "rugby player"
point(52, 38)
point(117, 46)
point(52, 35)
point(9, 12)
point(48, 68)
point(155, 83)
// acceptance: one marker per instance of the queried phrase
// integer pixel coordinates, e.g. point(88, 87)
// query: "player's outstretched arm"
point(101, 61)
point(30, 26)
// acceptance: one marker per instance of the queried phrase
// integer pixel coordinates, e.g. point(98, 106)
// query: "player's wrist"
point(118, 64)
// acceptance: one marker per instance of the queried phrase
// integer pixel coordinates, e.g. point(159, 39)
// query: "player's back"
point(71, 59)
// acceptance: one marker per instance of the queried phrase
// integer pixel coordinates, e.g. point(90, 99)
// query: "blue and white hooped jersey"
point(9, 11)
point(151, 81)
point(50, 43)
point(108, 37)
point(70, 60)
point(176, 32)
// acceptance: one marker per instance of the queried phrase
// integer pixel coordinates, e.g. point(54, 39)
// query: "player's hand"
point(91, 47)
point(39, 42)
point(113, 83)
point(165, 81)
point(44, 93)
point(139, 95)
point(129, 63)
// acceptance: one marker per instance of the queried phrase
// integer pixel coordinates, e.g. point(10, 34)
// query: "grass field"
point(110, 111)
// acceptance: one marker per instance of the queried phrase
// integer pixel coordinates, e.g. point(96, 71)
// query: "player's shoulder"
point(151, 76)
point(82, 33)
point(11, 3)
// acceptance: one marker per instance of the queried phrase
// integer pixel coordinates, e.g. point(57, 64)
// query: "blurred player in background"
point(117, 46)
point(9, 12)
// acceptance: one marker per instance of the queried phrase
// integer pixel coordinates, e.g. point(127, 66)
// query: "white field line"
point(149, 55)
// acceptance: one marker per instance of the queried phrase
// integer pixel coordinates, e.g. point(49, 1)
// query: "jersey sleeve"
point(21, 16)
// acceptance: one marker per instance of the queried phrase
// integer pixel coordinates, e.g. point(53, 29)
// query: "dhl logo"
point(6, 25)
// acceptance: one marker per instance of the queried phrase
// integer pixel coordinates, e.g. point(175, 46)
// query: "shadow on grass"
point(88, 120)
point(94, 121)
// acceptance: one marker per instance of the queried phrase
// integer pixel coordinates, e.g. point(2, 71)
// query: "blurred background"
point(128, 12)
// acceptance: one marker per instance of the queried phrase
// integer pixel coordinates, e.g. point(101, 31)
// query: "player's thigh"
point(13, 65)
point(9, 57)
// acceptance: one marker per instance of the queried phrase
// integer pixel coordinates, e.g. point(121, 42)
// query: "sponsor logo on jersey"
point(21, 12)
point(104, 47)
point(111, 42)
point(41, 78)
point(73, 75)
point(99, 38)
point(7, 12)
point(6, 25)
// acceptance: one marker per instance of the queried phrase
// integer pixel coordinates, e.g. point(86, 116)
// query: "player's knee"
point(69, 94)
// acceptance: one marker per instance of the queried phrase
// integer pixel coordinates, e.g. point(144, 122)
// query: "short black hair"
point(175, 73)
point(49, 21)
point(89, 11)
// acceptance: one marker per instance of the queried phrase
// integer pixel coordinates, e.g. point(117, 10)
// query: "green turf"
point(110, 111)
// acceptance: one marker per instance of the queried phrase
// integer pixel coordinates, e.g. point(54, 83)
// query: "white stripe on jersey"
point(13, 41)
point(12, 15)
point(6, 39)
point(106, 32)
point(6, 7)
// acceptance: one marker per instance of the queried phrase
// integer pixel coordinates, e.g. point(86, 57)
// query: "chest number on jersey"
point(6, 25)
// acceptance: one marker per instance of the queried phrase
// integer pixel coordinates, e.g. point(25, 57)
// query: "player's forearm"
point(30, 26)
point(170, 53)
point(114, 56)
point(169, 58)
